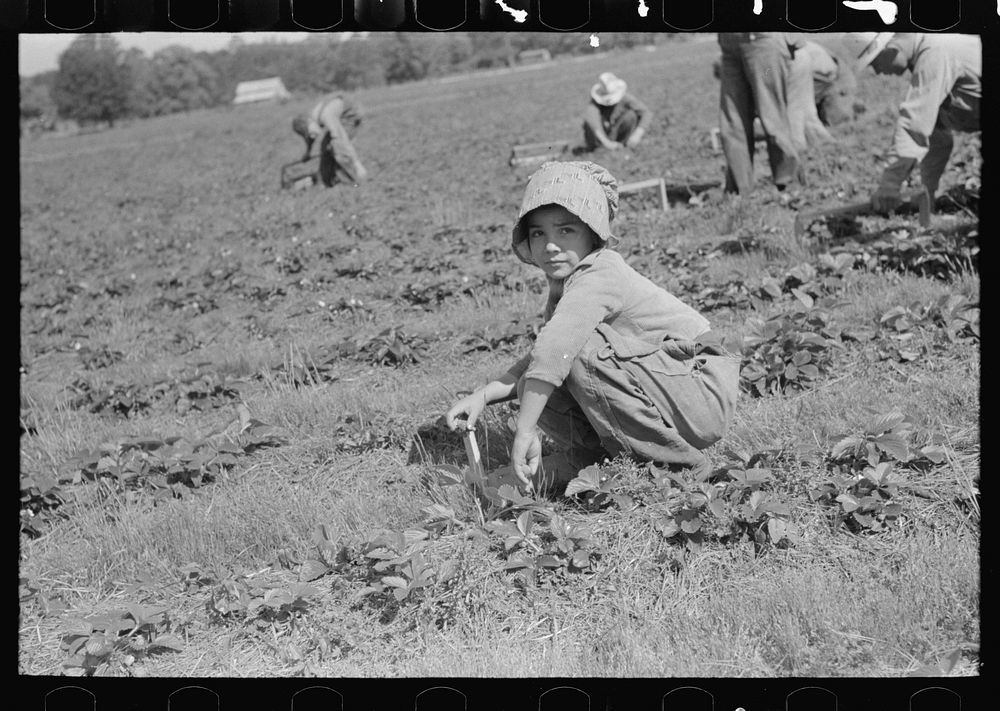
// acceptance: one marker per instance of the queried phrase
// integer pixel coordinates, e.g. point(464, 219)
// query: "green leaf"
point(622, 501)
point(394, 581)
point(935, 453)
point(892, 511)
point(519, 560)
point(844, 445)
point(548, 561)
point(886, 423)
point(776, 529)
point(691, 525)
point(524, 522)
point(312, 569)
point(589, 479)
point(412, 535)
point(894, 445)
point(438, 512)
point(848, 502)
point(581, 559)
point(803, 297)
point(808, 371)
point(511, 494)
point(449, 474)
point(667, 527)
point(864, 519)
point(168, 641)
point(800, 358)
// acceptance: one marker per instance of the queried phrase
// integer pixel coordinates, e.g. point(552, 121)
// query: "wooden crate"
point(645, 185)
point(536, 153)
point(680, 192)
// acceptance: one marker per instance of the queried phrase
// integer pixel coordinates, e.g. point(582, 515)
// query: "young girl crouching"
point(620, 365)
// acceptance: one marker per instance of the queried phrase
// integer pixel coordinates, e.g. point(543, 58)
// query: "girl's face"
point(558, 239)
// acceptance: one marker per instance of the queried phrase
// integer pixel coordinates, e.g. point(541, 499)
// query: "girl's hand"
point(525, 454)
point(471, 406)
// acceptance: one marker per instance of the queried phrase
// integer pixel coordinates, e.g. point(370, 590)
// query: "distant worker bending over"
point(614, 117)
point(834, 84)
point(334, 121)
point(945, 90)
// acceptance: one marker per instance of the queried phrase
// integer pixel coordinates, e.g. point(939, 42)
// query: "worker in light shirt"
point(944, 95)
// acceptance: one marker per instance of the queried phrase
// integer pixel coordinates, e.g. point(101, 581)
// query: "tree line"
point(99, 82)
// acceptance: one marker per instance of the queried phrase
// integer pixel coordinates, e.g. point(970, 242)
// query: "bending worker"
point(334, 121)
point(945, 91)
point(614, 117)
point(834, 83)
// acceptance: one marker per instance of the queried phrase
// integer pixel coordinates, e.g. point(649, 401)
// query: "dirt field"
point(230, 459)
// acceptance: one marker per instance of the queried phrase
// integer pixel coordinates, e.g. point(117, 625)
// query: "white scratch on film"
point(518, 15)
point(594, 42)
point(644, 8)
point(886, 10)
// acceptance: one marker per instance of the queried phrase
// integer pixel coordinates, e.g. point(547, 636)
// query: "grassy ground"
point(170, 250)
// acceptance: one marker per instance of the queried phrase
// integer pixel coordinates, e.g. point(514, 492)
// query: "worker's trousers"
point(754, 80)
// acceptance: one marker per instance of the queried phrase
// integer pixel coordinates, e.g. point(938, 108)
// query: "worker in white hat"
point(614, 118)
point(944, 95)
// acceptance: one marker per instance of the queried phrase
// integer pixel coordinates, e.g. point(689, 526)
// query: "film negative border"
point(37, 16)
point(94, 694)
point(91, 694)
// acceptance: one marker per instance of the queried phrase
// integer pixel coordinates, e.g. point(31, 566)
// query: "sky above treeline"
point(38, 53)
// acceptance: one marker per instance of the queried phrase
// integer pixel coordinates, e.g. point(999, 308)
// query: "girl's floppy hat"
point(609, 89)
point(586, 189)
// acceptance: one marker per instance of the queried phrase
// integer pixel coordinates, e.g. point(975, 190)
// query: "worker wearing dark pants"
point(754, 78)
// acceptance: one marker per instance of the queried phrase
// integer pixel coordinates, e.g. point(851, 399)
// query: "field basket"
point(291, 173)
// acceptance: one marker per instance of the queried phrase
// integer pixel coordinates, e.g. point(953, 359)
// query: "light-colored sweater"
point(604, 288)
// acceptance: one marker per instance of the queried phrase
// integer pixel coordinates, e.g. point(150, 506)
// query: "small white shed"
point(534, 56)
point(271, 89)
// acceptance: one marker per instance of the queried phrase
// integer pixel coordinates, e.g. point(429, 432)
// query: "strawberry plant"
point(788, 351)
point(490, 339)
point(167, 466)
point(863, 481)
point(244, 598)
point(954, 316)
point(572, 544)
point(102, 644)
point(891, 436)
point(931, 254)
point(390, 347)
point(102, 357)
point(123, 399)
point(597, 488)
point(40, 499)
point(397, 564)
point(863, 502)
